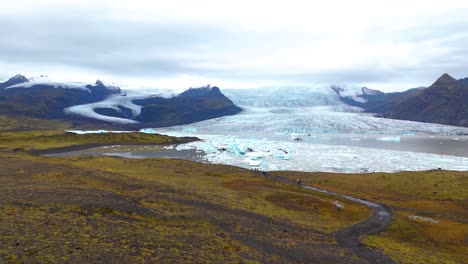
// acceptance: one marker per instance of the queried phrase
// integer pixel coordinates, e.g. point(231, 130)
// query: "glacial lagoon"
point(346, 153)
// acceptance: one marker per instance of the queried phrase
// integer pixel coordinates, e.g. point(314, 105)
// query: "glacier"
point(310, 129)
point(125, 99)
point(71, 85)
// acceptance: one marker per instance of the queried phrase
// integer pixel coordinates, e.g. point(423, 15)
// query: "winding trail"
point(349, 237)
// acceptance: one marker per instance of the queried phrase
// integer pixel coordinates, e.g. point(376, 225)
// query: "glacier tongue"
point(310, 129)
point(294, 138)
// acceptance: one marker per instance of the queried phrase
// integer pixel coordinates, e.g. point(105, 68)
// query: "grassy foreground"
point(108, 210)
point(88, 209)
point(431, 211)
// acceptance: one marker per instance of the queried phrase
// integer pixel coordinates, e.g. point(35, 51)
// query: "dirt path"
point(350, 237)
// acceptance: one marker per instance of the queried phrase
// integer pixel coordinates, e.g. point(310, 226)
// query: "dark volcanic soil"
point(55, 212)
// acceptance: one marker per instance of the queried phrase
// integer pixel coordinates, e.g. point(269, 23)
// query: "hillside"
point(444, 102)
point(100, 103)
point(190, 106)
point(48, 100)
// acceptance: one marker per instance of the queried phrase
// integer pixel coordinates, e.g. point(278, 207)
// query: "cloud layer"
point(239, 44)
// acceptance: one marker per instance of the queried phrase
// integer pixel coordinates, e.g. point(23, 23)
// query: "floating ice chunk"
point(393, 139)
point(282, 157)
point(236, 150)
point(148, 131)
point(254, 163)
point(254, 155)
point(209, 149)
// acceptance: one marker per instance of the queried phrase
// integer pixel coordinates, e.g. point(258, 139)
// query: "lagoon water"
point(313, 139)
point(349, 153)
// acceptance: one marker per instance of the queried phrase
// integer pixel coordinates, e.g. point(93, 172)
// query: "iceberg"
point(148, 131)
point(393, 139)
point(254, 163)
point(236, 150)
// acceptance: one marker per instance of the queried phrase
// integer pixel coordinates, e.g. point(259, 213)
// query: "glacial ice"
point(80, 86)
point(148, 131)
point(392, 139)
point(302, 156)
point(113, 102)
point(263, 135)
point(270, 135)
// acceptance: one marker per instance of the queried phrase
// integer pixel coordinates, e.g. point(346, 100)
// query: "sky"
point(388, 45)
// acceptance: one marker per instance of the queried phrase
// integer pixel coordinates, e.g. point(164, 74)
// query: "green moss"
point(53, 139)
point(25, 123)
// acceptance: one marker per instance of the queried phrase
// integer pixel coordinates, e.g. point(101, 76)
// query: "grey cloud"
point(105, 43)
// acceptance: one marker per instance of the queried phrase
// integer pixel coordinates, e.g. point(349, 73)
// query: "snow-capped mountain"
point(43, 98)
point(356, 94)
point(444, 102)
point(15, 80)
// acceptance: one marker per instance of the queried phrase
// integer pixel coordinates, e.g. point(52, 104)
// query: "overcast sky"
point(388, 45)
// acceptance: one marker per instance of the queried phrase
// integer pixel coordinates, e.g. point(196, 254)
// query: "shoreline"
point(58, 150)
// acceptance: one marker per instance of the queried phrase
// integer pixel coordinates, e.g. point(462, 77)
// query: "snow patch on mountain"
point(80, 86)
point(352, 92)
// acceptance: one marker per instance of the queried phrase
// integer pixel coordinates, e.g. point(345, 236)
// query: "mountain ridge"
point(21, 97)
point(444, 102)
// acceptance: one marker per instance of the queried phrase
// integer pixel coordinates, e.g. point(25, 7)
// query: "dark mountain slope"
point(46, 100)
point(17, 79)
point(49, 100)
point(190, 106)
point(444, 102)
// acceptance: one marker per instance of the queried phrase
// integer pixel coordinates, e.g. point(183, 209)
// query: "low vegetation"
point(28, 123)
point(430, 223)
point(46, 139)
point(89, 209)
point(106, 209)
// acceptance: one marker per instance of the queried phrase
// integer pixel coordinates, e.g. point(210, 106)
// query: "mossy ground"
point(103, 209)
point(46, 139)
point(28, 123)
point(438, 195)
point(89, 209)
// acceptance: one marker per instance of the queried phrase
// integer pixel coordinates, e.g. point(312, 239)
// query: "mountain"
point(464, 81)
point(444, 102)
point(373, 101)
point(17, 79)
point(193, 105)
point(103, 103)
point(47, 100)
